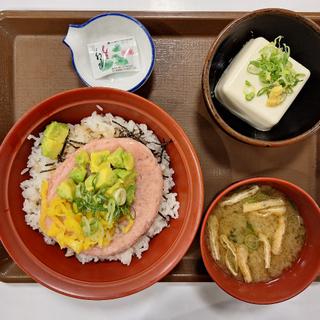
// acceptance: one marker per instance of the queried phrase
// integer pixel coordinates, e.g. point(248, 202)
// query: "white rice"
point(94, 127)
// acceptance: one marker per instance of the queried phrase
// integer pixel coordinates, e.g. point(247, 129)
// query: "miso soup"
point(255, 233)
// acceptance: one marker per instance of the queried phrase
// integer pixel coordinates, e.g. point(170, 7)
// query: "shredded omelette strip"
point(60, 222)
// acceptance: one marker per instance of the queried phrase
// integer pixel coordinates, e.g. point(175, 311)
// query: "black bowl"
point(303, 36)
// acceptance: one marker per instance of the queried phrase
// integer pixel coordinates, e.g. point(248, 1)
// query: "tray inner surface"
point(34, 64)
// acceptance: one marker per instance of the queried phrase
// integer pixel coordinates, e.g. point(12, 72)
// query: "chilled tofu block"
point(230, 89)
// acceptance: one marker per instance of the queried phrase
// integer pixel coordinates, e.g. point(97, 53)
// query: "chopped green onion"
point(262, 91)
point(251, 241)
point(249, 91)
point(249, 96)
point(253, 68)
point(111, 206)
point(250, 227)
point(120, 196)
point(273, 69)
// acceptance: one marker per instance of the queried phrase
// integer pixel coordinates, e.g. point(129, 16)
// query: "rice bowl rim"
point(85, 289)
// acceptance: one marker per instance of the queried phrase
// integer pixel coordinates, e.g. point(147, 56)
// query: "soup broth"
point(255, 233)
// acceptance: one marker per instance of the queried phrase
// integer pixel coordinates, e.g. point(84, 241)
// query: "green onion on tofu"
point(249, 91)
point(275, 72)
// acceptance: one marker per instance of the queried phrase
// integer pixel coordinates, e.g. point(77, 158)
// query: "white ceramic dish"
point(110, 26)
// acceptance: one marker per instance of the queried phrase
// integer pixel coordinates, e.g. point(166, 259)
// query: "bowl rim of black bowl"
point(206, 83)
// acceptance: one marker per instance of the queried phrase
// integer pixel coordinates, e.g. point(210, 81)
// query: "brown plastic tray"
point(34, 64)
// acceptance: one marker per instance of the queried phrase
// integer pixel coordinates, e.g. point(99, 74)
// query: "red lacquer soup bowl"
point(293, 280)
point(103, 280)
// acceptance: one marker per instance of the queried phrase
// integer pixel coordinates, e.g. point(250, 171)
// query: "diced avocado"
point(112, 189)
point(90, 182)
point(82, 158)
point(53, 139)
point(130, 179)
point(56, 131)
point(97, 159)
point(128, 160)
point(106, 178)
point(78, 174)
point(130, 194)
point(50, 148)
point(66, 189)
point(115, 158)
point(79, 188)
point(122, 173)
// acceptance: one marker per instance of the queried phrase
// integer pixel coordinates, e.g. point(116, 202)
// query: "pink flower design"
point(105, 51)
point(127, 52)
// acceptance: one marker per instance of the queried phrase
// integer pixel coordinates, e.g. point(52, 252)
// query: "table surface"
point(163, 300)
point(159, 5)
